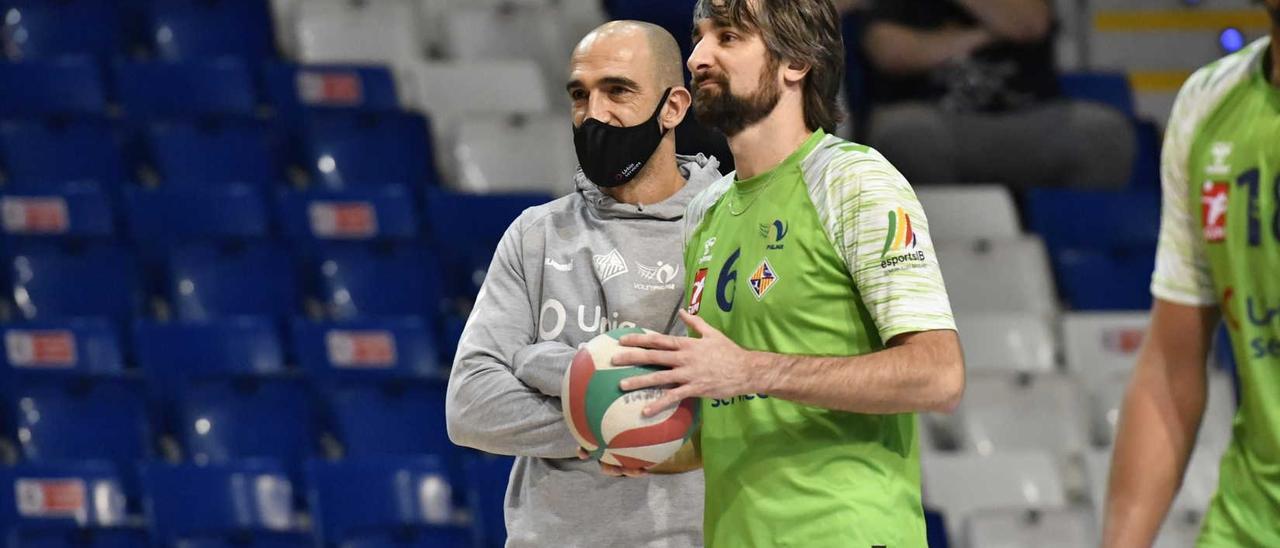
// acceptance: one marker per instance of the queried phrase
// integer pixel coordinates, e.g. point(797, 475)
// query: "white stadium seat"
point(282, 22)
point(450, 91)
point(1107, 395)
point(343, 31)
point(969, 212)
point(1023, 412)
point(1182, 523)
point(516, 31)
point(502, 153)
point(1219, 411)
point(960, 484)
point(1099, 345)
point(998, 275)
point(1008, 342)
point(1180, 530)
point(1097, 465)
point(338, 31)
point(1055, 528)
point(574, 18)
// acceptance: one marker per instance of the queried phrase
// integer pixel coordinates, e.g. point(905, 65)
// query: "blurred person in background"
point(966, 91)
point(604, 257)
point(1218, 256)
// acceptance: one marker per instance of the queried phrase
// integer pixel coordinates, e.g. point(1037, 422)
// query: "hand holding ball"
point(608, 422)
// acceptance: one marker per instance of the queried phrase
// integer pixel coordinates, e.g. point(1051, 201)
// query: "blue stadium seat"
point(208, 281)
point(466, 229)
point(1146, 161)
point(381, 382)
point(356, 214)
point(1094, 219)
point(78, 347)
point(69, 396)
point(52, 282)
point(487, 476)
point(1114, 90)
point(46, 88)
point(1105, 279)
point(188, 29)
point(384, 502)
point(230, 151)
point(377, 349)
point(170, 214)
point(61, 420)
point(294, 90)
point(936, 529)
point(1108, 88)
point(246, 503)
point(69, 210)
point(36, 29)
point(225, 385)
point(201, 88)
point(341, 149)
point(78, 504)
point(37, 154)
point(353, 281)
point(389, 418)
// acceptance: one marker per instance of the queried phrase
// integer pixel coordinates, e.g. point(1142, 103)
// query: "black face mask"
point(611, 156)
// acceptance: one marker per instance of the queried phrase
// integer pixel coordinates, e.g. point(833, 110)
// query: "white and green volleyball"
point(607, 421)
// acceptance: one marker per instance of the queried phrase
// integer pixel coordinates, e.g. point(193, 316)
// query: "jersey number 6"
point(724, 282)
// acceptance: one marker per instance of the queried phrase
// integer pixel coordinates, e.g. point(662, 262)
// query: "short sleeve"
point(1182, 273)
point(880, 229)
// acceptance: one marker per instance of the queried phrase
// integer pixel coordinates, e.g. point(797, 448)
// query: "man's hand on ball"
point(614, 471)
point(709, 367)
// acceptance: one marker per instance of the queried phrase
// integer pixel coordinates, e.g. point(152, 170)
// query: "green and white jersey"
point(827, 254)
point(1220, 245)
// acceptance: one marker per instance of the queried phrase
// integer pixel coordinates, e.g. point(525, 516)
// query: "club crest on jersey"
point(763, 279)
point(1213, 210)
point(774, 232)
point(695, 295)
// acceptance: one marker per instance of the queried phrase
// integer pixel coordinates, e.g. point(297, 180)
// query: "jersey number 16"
point(1252, 180)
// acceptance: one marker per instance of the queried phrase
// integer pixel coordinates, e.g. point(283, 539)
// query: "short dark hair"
point(799, 31)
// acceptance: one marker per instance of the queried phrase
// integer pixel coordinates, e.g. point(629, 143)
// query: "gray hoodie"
point(564, 272)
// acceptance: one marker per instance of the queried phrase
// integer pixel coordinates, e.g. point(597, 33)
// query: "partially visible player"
point(1218, 257)
point(813, 283)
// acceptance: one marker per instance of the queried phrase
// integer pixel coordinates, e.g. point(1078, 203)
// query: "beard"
point(718, 108)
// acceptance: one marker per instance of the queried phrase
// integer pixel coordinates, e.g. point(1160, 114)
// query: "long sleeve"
point(488, 407)
point(542, 365)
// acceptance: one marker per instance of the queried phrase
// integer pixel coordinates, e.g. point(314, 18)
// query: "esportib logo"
point(1213, 210)
point(901, 236)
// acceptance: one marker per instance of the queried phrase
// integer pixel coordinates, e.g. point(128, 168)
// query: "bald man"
point(606, 256)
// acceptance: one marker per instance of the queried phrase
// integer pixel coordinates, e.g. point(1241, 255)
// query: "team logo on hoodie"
point(663, 274)
point(610, 265)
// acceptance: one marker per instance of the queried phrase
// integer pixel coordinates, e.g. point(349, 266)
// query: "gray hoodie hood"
point(699, 171)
